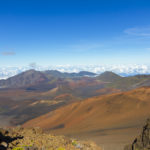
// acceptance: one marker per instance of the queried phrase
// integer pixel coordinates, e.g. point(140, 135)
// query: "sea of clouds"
point(123, 70)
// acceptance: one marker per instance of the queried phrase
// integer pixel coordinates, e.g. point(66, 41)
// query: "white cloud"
point(124, 70)
point(8, 53)
point(143, 31)
point(33, 65)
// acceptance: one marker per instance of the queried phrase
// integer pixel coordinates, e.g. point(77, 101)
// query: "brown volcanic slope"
point(24, 104)
point(95, 114)
point(23, 79)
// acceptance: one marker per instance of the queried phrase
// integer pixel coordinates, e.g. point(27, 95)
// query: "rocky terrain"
point(82, 105)
point(35, 139)
point(116, 118)
point(33, 93)
point(142, 142)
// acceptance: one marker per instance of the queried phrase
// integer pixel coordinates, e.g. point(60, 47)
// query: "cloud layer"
point(124, 70)
point(144, 31)
point(8, 53)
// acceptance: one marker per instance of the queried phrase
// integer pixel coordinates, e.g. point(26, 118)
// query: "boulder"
point(142, 142)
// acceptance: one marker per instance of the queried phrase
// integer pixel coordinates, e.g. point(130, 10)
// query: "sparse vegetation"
point(35, 138)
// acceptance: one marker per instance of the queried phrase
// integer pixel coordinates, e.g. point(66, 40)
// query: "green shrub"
point(21, 147)
point(74, 143)
point(18, 148)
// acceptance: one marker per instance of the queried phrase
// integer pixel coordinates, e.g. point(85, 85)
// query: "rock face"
point(143, 141)
point(35, 139)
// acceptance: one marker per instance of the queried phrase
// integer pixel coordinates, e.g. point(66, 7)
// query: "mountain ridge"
point(33, 78)
point(123, 70)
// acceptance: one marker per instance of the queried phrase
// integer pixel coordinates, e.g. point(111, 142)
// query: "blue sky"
point(60, 32)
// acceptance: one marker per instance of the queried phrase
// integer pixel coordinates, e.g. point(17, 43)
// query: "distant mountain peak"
point(29, 77)
point(109, 73)
point(59, 74)
point(108, 76)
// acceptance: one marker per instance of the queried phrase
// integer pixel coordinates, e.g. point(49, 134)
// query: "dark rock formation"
point(5, 140)
point(143, 141)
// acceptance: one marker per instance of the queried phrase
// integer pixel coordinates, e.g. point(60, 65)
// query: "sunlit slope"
point(123, 83)
point(121, 110)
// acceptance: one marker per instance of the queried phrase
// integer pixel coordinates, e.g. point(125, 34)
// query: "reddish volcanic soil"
point(110, 120)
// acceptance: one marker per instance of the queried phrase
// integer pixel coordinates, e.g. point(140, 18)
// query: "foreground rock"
point(35, 139)
point(143, 141)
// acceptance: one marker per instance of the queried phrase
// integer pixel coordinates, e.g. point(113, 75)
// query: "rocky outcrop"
point(35, 139)
point(6, 140)
point(143, 141)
